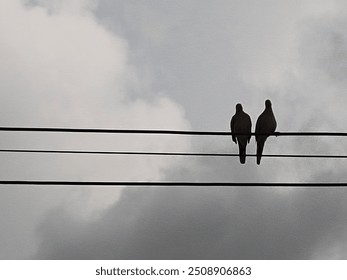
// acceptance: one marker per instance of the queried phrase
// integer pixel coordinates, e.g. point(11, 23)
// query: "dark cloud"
point(205, 223)
point(201, 224)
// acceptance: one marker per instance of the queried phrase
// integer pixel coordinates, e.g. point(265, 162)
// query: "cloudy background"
point(171, 65)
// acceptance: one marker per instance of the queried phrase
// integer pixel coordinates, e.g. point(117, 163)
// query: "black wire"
point(165, 153)
point(158, 131)
point(121, 131)
point(171, 184)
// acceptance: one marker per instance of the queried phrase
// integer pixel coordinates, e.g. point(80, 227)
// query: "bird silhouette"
point(266, 124)
point(241, 124)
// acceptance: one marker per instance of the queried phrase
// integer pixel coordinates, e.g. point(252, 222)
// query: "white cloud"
point(61, 68)
point(66, 6)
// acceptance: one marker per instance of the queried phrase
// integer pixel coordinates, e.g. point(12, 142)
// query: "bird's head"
point(238, 107)
point(267, 103)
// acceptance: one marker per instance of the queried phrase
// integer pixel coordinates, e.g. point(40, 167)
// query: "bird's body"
point(266, 125)
point(241, 124)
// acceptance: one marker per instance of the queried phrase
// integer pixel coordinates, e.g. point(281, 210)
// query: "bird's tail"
point(242, 153)
point(260, 147)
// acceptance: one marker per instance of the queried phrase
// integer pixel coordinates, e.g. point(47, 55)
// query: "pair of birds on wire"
point(241, 126)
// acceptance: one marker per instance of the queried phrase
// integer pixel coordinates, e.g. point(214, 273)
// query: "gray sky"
point(172, 65)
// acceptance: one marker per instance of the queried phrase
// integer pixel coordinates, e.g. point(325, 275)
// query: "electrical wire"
point(175, 184)
point(158, 131)
point(166, 153)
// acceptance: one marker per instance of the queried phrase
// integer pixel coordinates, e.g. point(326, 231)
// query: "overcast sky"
point(171, 65)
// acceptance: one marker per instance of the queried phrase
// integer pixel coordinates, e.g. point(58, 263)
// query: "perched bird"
point(241, 124)
point(266, 124)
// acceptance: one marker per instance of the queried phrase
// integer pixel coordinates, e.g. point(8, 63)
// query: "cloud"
point(75, 72)
point(210, 223)
point(291, 53)
point(61, 68)
point(203, 224)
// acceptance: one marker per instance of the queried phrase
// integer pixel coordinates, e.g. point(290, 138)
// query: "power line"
point(172, 184)
point(166, 153)
point(120, 131)
point(157, 131)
